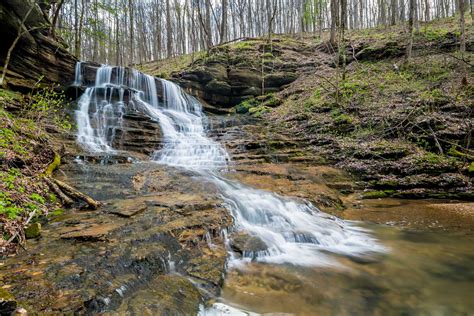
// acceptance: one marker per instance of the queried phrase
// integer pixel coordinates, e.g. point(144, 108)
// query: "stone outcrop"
point(134, 131)
point(37, 55)
point(232, 73)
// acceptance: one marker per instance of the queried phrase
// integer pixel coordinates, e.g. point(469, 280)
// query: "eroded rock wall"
point(37, 55)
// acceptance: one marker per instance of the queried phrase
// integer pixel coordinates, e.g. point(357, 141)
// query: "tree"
point(130, 7)
point(55, 17)
point(462, 48)
point(334, 22)
point(411, 18)
point(169, 35)
point(223, 30)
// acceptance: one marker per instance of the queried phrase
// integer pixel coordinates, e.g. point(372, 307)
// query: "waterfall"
point(294, 231)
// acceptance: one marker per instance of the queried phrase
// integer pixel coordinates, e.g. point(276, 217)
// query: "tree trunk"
point(132, 51)
point(462, 48)
point(55, 18)
point(332, 38)
point(394, 12)
point(411, 18)
point(224, 22)
point(169, 39)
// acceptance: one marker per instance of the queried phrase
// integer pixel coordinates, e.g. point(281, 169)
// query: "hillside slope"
point(402, 129)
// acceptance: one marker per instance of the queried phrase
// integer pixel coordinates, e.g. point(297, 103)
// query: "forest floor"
point(402, 129)
point(28, 153)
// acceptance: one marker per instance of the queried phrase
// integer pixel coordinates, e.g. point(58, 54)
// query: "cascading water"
point(294, 231)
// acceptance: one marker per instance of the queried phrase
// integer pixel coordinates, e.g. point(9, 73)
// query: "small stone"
point(33, 231)
point(8, 303)
point(20, 312)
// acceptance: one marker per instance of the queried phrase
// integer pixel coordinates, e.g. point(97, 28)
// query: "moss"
point(374, 194)
point(456, 153)
point(471, 168)
point(341, 118)
point(33, 231)
point(434, 97)
point(244, 106)
point(56, 212)
point(243, 45)
point(258, 111)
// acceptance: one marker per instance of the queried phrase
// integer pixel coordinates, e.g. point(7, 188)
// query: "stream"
point(172, 218)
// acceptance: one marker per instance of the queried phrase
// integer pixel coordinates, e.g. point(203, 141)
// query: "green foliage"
point(8, 178)
point(341, 118)
point(258, 111)
point(37, 198)
point(243, 45)
point(471, 168)
point(48, 102)
point(8, 94)
point(375, 194)
point(244, 106)
point(56, 212)
point(434, 97)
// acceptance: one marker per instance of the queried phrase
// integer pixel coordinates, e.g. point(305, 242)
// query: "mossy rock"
point(470, 170)
point(33, 231)
point(8, 304)
point(245, 244)
point(218, 87)
point(374, 195)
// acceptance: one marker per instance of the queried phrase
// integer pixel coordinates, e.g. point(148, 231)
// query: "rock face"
point(230, 74)
point(36, 54)
point(129, 127)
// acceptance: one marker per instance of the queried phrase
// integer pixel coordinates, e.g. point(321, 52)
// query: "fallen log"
point(93, 204)
point(67, 201)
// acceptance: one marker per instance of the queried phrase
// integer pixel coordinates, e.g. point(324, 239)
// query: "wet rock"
point(33, 231)
point(128, 208)
point(8, 304)
point(245, 244)
point(165, 295)
point(83, 232)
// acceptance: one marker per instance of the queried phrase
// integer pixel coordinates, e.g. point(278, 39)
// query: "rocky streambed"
point(157, 245)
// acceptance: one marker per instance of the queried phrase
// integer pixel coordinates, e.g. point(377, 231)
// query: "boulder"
point(33, 231)
point(218, 87)
point(245, 77)
point(8, 304)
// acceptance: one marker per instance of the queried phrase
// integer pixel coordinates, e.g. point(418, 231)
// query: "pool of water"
point(424, 273)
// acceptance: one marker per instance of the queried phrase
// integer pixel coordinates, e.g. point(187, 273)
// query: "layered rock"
point(37, 55)
point(232, 73)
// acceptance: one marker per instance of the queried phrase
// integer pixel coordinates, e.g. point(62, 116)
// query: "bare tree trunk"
point(223, 31)
point(169, 43)
point(462, 48)
point(333, 5)
point(411, 18)
point(394, 12)
point(208, 24)
point(130, 4)
point(427, 10)
point(55, 18)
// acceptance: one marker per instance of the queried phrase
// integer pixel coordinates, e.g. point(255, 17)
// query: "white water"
point(295, 232)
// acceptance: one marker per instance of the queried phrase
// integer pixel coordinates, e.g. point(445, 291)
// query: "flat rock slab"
point(128, 208)
point(96, 232)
